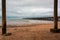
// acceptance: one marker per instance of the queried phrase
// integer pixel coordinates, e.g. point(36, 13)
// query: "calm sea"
point(17, 19)
point(14, 19)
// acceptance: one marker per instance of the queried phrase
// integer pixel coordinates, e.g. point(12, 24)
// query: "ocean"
point(20, 22)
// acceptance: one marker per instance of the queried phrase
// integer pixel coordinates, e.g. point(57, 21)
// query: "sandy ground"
point(33, 32)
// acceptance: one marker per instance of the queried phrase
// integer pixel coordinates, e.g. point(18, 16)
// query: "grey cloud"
point(59, 3)
point(47, 3)
point(14, 5)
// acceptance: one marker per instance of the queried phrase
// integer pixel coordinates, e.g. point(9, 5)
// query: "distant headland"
point(44, 18)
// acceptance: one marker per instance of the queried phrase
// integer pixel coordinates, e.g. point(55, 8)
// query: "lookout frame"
point(55, 29)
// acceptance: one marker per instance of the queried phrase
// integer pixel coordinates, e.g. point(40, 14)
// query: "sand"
point(33, 32)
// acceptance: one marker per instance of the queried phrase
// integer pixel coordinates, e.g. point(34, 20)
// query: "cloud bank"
point(30, 8)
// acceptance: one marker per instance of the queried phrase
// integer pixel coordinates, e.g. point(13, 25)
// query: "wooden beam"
point(55, 14)
point(3, 17)
point(55, 30)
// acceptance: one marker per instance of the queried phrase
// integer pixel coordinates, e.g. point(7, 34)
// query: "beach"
point(34, 31)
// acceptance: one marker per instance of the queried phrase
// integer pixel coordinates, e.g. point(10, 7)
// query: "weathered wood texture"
point(55, 14)
point(3, 17)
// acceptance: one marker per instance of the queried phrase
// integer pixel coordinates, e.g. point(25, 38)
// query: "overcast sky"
point(30, 8)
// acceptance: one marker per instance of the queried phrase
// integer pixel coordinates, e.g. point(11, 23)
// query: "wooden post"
point(56, 30)
point(3, 17)
point(55, 14)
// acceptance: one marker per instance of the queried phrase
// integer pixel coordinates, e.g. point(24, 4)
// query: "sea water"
point(20, 21)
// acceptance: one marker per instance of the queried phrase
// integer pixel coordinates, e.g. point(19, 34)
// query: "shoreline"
point(26, 23)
